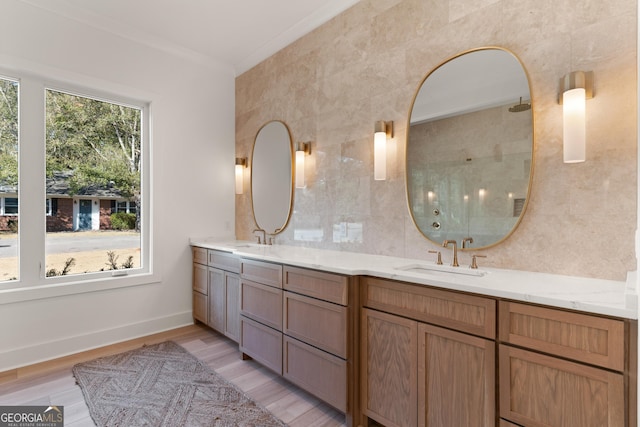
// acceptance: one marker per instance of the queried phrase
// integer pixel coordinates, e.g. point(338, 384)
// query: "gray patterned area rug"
point(164, 385)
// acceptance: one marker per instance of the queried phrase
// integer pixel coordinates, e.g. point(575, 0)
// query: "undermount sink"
point(434, 268)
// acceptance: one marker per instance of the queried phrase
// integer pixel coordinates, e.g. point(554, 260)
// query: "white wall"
point(192, 149)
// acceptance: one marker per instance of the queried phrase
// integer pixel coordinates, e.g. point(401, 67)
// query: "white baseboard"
point(44, 351)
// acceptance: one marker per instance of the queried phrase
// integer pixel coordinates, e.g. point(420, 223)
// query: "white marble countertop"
point(608, 297)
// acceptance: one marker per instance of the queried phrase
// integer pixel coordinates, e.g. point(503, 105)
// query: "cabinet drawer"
point(539, 390)
point(465, 313)
point(582, 337)
point(320, 373)
point(200, 274)
point(262, 343)
point(199, 255)
point(262, 272)
point(224, 260)
point(262, 303)
point(325, 286)
point(200, 304)
point(316, 322)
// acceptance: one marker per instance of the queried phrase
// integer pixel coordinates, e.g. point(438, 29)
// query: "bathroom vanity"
point(404, 343)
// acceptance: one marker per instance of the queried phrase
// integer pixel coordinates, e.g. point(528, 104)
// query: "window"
point(96, 150)
point(123, 206)
point(11, 206)
point(93, 152)
point(9, 130)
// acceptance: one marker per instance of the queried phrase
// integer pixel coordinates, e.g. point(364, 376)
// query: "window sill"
point(19, 293)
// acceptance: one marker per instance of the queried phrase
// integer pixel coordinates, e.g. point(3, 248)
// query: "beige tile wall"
point(366, 64)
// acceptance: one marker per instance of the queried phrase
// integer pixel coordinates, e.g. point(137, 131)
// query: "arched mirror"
point(272, 177)
point(470, 149)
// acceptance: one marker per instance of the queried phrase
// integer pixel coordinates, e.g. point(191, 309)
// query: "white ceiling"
point(236, 33)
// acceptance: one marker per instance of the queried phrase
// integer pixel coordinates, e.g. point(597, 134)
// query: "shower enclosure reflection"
point(469, 149)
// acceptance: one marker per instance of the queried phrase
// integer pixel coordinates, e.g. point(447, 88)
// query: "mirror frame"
point(533, 146)
point(291, 179)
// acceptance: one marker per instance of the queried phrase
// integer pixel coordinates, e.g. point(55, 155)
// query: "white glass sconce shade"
point(574, 126)
point(241, 163)
point(575, 89)
point(302, 149)
point(383, 131)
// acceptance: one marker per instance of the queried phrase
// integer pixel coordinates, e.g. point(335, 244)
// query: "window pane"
point(8, 180)
point(93, 156)
point(11, 206)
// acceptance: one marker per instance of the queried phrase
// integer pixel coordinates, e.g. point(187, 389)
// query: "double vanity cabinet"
point(396, 353)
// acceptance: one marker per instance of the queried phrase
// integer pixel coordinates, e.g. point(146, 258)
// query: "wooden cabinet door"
point(389, 368)
point(541, 391)
point(456, 378)
point(217, 299)
point(232, 290)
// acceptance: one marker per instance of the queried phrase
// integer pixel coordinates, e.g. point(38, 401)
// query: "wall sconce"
point(575, 88)
point(383, 131)
point(302, 148)
point(241, 163)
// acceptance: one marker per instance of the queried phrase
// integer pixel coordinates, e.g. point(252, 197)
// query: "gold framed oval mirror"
point(469, 152)
point(272, 177)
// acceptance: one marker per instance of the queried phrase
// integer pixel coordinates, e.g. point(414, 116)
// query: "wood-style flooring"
point(51, 383)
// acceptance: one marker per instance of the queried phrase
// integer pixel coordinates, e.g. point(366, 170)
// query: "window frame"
point(32, 282)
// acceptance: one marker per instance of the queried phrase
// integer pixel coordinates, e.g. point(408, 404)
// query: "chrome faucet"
point(454, 262)
point(264, 235)
point(465, 240)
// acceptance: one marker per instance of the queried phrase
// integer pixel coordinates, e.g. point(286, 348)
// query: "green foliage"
point(123, 221)
point(97, 140)
point(112, 261)
point(128, 263)
point(8, 133)
point(70, 262)
point(12, 225)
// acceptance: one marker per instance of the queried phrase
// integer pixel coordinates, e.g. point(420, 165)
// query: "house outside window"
point(123, 206)
point(9, 206)
point(51, 206)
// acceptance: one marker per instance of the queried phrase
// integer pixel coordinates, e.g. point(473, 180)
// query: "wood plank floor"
point(51, 383)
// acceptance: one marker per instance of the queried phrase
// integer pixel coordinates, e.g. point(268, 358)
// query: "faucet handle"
point(259, 231)
point(474, 263)
point(439, 261)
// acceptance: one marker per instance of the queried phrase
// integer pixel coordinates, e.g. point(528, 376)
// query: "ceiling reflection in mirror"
point(470, 148)
point(272, 177)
